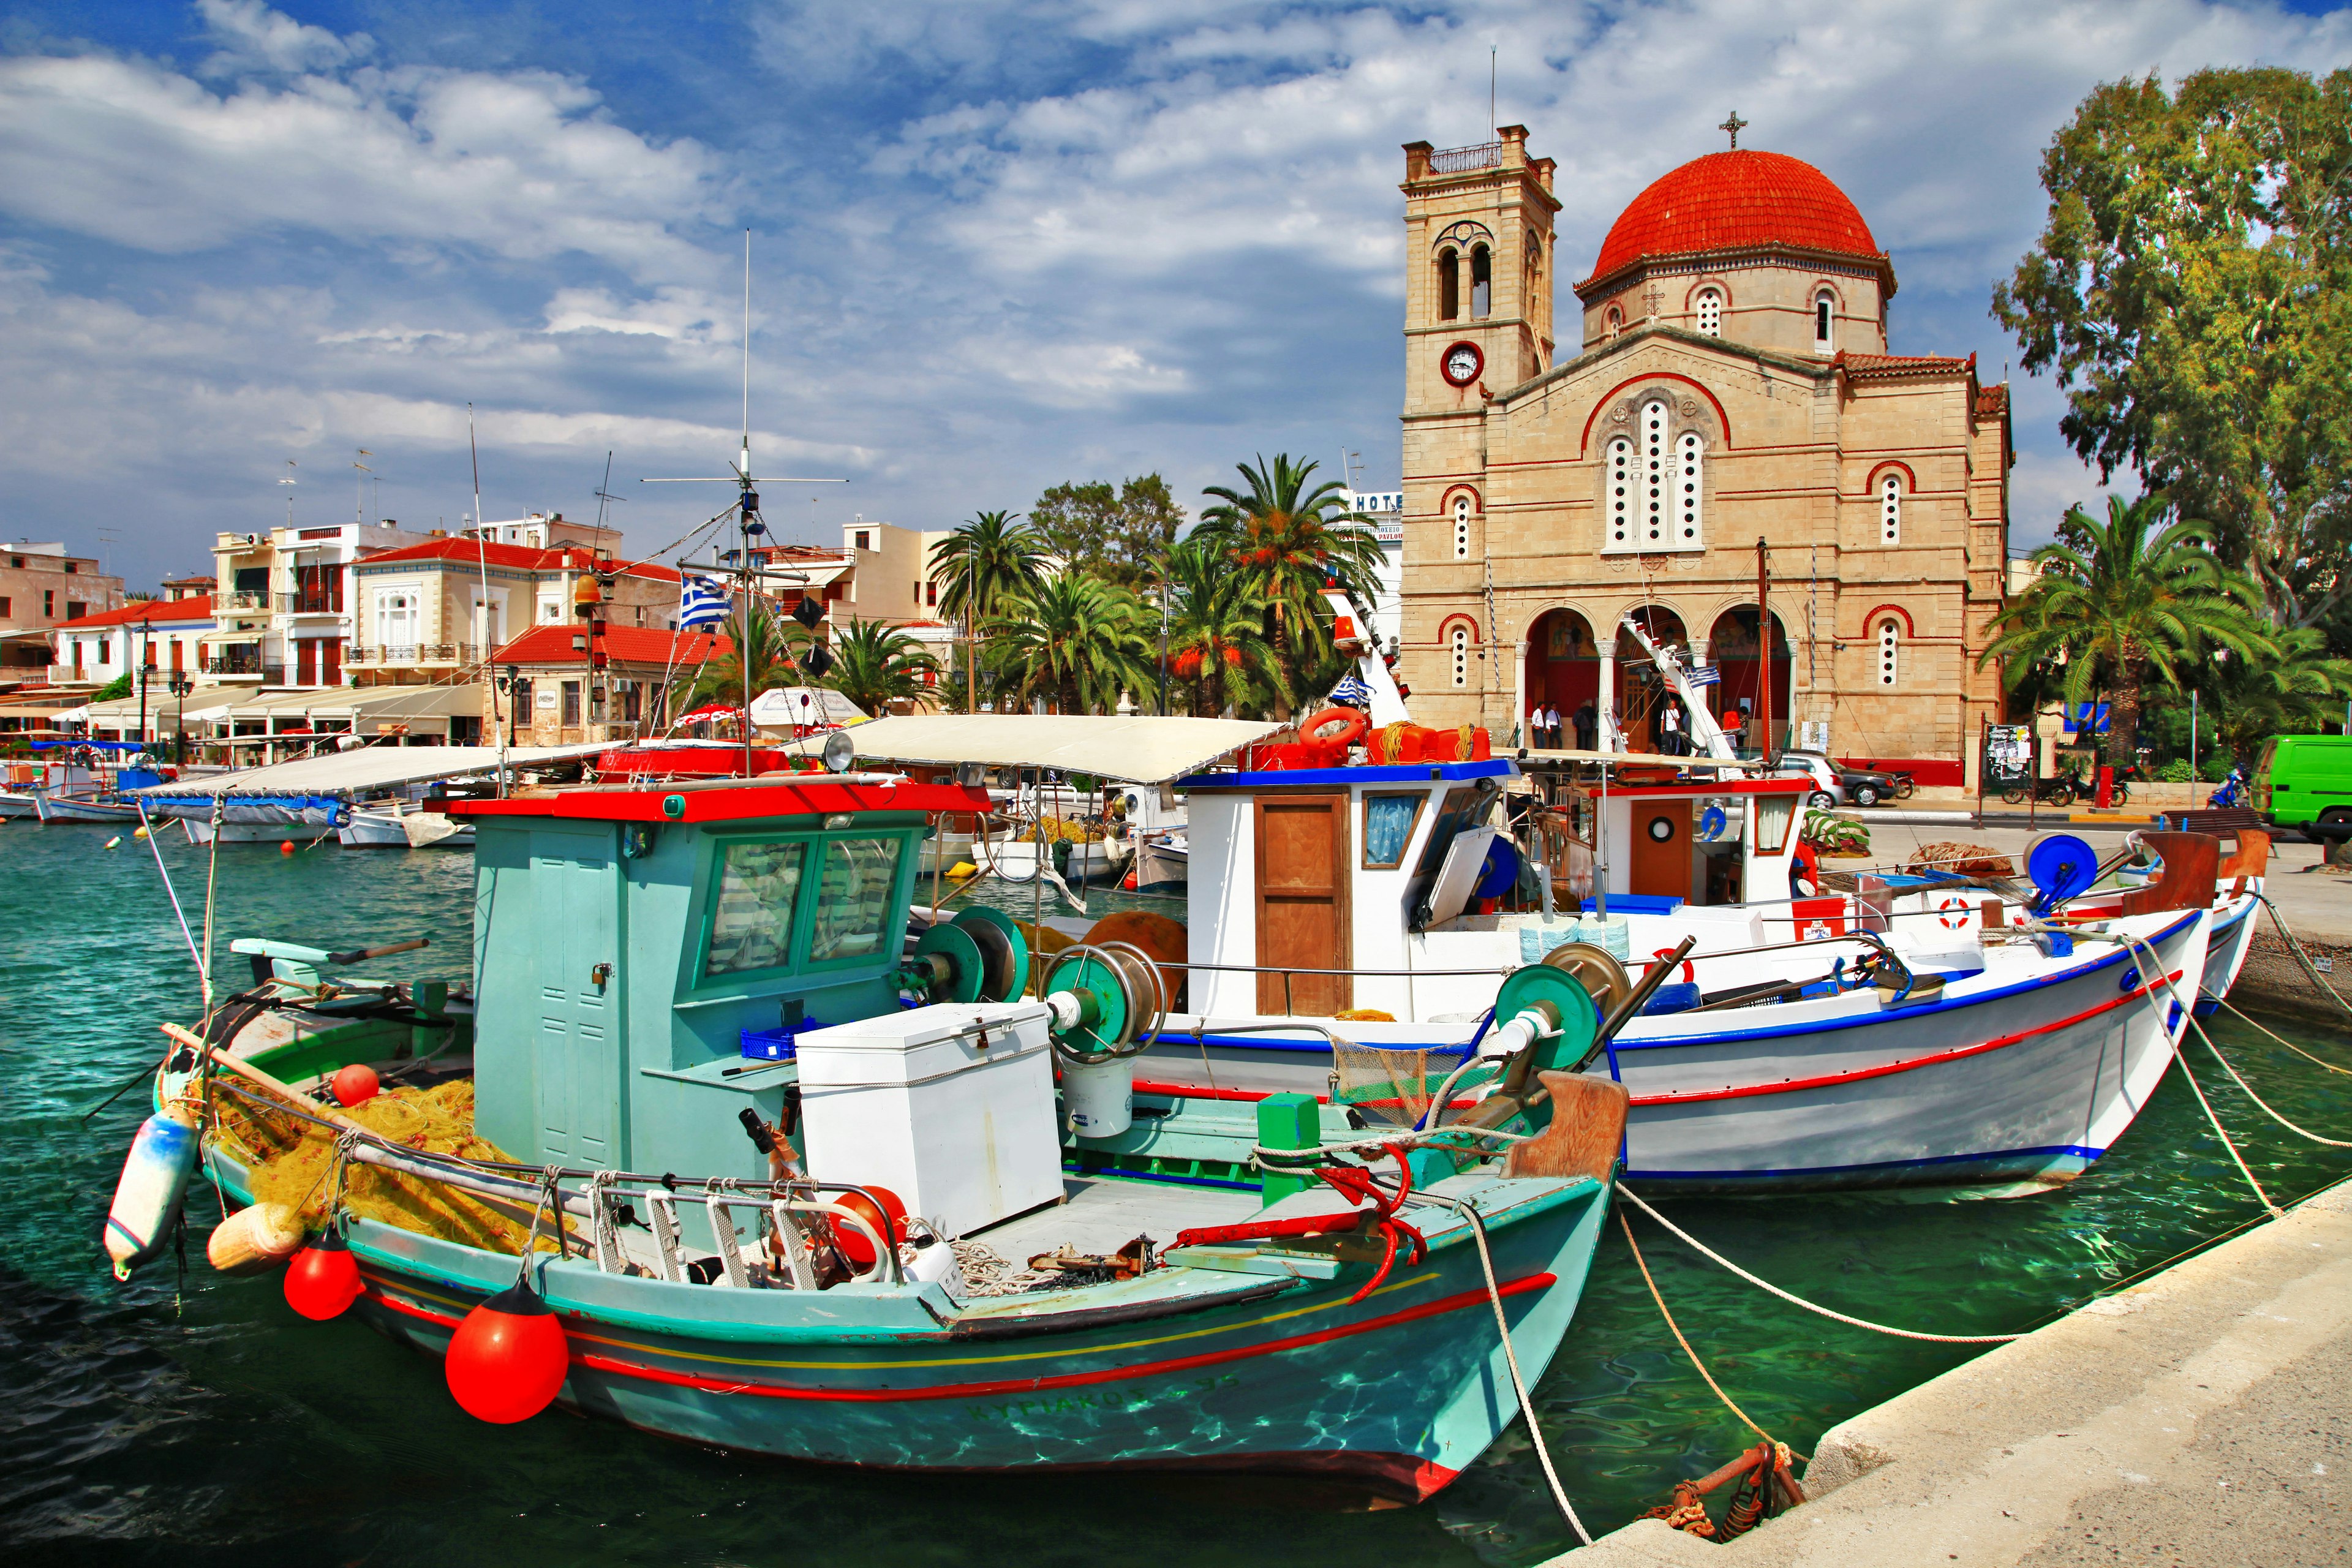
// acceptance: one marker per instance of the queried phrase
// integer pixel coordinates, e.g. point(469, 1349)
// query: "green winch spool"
point(1558, 993)
point(1003, 951)
point(1107, 1015)
point(950, 963)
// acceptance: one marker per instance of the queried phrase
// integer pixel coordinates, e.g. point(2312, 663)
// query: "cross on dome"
point(1734, 125)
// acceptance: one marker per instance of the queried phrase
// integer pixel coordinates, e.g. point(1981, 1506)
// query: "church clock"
point(1462, 365)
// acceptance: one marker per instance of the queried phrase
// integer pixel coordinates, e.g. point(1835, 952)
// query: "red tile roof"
point(153, 612)
point(1886, 367)
point(627, 645)
point(1992, 401)
point(1735, 201)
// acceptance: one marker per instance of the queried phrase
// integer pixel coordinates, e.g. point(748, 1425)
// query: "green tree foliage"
point(876, 664)
point(1218, 655)
point(1285, 540)
point(118, 687)
point(1077, 643)
point(2120, 601)
point(2298, 690)
point(2193, 292)
point(987, 566)
point(1119, 533)
point(720, 678)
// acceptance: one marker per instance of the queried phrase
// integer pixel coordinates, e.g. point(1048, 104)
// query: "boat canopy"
point(1144, 750)
point(367, 770)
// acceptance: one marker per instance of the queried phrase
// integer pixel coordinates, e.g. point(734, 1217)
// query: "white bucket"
point(1099, 1098)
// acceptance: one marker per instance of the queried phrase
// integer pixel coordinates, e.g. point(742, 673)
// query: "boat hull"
point(2225, 953)
point(57, 809)
point(1396, 1394)
point(1996, 1082)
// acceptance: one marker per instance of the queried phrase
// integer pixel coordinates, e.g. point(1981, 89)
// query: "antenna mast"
point(482, 558)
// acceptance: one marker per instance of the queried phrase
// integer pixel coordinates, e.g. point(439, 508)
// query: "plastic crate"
point(771, 1045)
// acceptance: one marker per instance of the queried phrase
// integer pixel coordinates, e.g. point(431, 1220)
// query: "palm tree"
point(1078, 642)
point(1290, 543)
point(987, 563)
point(1216, 634)
point(2121, 600)
point(720, 677)
point(876, 664)
point(2301, 691)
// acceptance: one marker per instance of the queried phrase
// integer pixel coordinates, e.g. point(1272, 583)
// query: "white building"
point(1386, 509)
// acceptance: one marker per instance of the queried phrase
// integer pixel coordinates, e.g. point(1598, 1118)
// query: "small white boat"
point(1164, 863)
point(56, 809)
point(14, 803)
point(394, 828)
point(200, 830)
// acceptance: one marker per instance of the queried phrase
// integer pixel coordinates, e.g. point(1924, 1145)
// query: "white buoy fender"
point(154, 1179)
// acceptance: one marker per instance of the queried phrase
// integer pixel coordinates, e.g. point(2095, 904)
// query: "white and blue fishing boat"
point(719, 1061)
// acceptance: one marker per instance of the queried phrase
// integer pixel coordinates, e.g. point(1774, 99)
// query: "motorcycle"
point(2233, 791)
point(2058, 789)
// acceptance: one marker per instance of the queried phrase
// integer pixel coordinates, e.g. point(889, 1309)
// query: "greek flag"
point(705, 604)
point(1352, 693)
point(1704, 674)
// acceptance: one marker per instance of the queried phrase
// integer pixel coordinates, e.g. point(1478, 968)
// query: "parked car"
point(2306, 783)
point(1834, 784)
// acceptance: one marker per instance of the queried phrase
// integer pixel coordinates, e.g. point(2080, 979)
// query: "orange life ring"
point(1690, 970)
point(1358, 726)
point(1953, 913)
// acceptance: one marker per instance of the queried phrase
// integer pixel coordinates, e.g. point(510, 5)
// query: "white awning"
point(789, 705)
point(366, 770)
point(1137, 749)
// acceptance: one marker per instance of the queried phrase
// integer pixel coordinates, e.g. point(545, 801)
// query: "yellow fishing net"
point(291, 1162)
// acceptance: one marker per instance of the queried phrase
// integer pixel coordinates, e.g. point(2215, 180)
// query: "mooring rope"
point(2283, 1040)
point(1796, 1300)
point(1627, 1226)
point(2302, 957)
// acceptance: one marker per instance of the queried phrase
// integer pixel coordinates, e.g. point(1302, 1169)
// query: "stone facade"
point(1733, 392)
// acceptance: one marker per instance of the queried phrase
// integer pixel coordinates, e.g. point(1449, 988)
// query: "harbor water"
point(186, 1418)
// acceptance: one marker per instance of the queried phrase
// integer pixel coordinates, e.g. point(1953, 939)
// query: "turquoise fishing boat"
point(795, 1171)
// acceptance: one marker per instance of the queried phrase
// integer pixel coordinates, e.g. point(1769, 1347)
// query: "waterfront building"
point(1728, 381)
point(568, 685)
point(283, 602)
point(42, 586)
point(1385, 508)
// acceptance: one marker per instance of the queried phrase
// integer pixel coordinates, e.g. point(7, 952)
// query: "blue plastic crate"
point(768, 1045)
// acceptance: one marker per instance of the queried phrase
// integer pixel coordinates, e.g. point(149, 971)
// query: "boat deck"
point(1102, 1214)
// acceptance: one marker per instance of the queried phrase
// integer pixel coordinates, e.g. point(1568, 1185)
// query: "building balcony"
point(417, 654)
point(251, 601)
point(70, 675)
point(310, 604)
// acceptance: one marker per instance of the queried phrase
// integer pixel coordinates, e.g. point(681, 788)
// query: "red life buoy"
point(1953, 912)
point(1358, 726)
point(1690, 970)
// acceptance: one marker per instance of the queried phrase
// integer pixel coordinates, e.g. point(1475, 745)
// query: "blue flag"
point(705, 602)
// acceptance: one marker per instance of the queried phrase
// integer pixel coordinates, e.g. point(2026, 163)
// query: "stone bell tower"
point(1479, 271)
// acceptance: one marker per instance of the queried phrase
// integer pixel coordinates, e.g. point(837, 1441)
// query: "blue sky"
point(997, 246)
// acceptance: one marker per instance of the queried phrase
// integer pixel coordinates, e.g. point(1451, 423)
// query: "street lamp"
point(179, 686)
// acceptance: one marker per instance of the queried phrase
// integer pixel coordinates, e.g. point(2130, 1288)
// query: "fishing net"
point(1385, 1087)
point(290, 1161)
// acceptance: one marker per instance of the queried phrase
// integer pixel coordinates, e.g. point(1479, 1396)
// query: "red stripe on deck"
point(1790, 1086)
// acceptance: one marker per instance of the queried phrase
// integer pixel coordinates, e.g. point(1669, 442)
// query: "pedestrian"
point(1670, 728)
point(1551, 726)
point(1587, 720)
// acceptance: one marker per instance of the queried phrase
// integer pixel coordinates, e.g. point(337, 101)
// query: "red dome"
point(1735, 201)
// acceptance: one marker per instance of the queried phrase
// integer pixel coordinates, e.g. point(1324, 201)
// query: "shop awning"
point(368, 769)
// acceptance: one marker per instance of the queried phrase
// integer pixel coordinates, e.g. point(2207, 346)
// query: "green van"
point(2306, 781)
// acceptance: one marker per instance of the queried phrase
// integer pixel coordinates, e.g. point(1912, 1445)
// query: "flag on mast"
point(703, 603)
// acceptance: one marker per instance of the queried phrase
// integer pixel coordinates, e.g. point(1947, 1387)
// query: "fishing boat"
point(396, 825)
point(719, 1065)
point(20, 803)
point(312, 799)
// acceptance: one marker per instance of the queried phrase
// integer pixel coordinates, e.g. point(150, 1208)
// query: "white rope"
point(1469, 1212)
point(2300, 957)
point(2148, 995)
point(1794, 1301)
point(2283, 1040)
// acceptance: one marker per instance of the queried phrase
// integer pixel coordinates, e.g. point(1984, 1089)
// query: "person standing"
point(1536, 724)
point(1587, 720)
point(1670, 728)
point(1551, 724)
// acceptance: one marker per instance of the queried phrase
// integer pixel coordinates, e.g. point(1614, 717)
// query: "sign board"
point(546, 697)
point(2009, 747)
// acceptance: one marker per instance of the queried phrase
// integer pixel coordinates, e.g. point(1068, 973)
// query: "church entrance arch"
point(1641, 694)
point(1732, 647)
point(1563, 668)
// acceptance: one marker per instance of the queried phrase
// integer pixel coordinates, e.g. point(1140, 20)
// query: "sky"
point(995, 246)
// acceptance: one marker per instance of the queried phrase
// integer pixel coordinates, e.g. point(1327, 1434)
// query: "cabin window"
point(1388, 828)
point(752, 919)
point(1773, 813)
point(854, 899)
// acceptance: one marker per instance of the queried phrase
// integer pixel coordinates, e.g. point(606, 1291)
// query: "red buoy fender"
point(354, 1085)
point(1357, 724)
point(323, 1279)
point(508, 1358)
point(888, 1221)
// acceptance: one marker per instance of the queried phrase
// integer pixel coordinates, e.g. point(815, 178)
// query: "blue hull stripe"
point(2059, 1151)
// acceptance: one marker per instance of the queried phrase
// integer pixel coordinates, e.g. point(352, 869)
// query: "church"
point(1727, 423)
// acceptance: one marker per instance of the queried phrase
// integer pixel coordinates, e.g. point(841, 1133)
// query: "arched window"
point(1482, 280)
point(1615, 320)
point(1458, 645)
point(1710, 312)
point(1449, 285)
point(1689, 454)
point(1620, 498)
point(1890, 509)
point(1462, 528)
point(1824, 312)
point(1887, 632)
point(1656, 479)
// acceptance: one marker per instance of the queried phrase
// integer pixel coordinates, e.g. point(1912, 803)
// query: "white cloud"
point(252, 37)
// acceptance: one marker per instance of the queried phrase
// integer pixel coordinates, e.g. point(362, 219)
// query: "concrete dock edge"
point(2202, 1417)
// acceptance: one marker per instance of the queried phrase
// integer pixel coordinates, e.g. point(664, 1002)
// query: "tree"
point(2120, 600)
point(876, 664)
point(1120, 534)
point(1079, 643)
point(2299, 692)
point(2193, 292)
point(119, 687)
point(720, 678)
point(1288, 543)
point(1216, 637)
point(988, 562)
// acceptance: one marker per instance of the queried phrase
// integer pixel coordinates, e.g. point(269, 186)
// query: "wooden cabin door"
point(1662, 849)
point(579, 1067)
point(1302, 902)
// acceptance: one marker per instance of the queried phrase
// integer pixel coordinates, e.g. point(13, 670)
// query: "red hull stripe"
point(1010, 1386)
point(1790, 1086)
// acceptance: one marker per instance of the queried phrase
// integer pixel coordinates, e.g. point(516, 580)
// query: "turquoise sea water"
point(231, 1431)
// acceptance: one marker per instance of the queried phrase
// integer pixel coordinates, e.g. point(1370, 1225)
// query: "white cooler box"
point(910, 1101)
